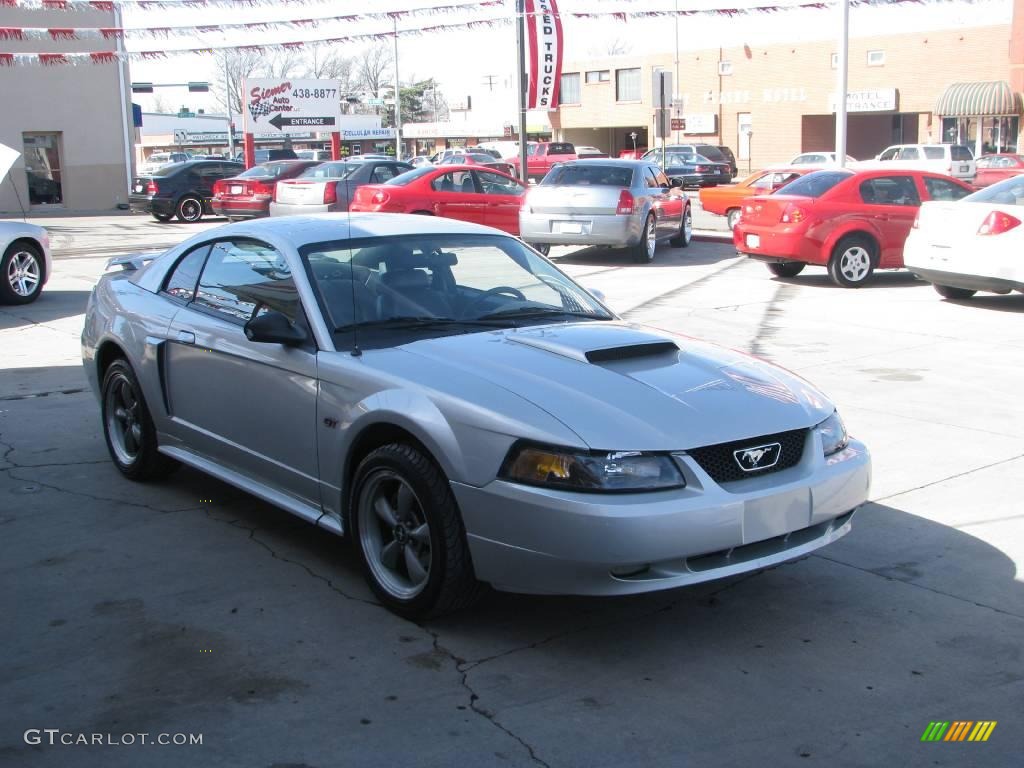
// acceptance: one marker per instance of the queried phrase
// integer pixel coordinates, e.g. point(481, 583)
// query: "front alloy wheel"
point(643, 253)
point(22, 274)
point(685, 235)
point(409, 535)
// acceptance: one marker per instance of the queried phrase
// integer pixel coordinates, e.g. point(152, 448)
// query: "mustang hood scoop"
point(595, 342)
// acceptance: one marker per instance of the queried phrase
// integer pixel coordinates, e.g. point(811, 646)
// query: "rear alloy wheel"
point(409, 535)
point(190, 209)
point(542, 248)
point(643, 252)
point(22, 274)
point(786, 268)
point(128, 426)
point(682, 240)
point(732, 216)
point(949, 292)
point(852, 262)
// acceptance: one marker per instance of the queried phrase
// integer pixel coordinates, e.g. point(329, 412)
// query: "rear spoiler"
point(131, 262)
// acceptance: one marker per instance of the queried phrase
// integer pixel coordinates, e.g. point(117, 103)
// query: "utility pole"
point(398, 99)
point(842, 81)
point(227, 97)
point(521, 83)
point(677, 84)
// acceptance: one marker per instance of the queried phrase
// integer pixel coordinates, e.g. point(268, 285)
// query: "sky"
point(462, 60)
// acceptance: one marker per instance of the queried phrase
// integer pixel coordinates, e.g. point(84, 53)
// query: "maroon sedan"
point(248, 195)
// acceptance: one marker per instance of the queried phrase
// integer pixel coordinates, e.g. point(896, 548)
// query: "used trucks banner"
point(544, 59)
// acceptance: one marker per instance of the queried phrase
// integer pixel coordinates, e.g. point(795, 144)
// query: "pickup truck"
point(541, 156)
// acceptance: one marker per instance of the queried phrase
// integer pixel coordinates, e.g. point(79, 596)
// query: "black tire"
point(147, 463)
point(189, 209)
point(450, 583)
point(786, 268)
point(22, 263)
point(642, 253)
point(162, 216)
point(685, 235)
point(853, 261)
point(542, 248)
point(732, 216)
point(949, 292)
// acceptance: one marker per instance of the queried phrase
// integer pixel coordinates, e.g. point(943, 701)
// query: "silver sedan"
point(618, 203)
point(462, 410)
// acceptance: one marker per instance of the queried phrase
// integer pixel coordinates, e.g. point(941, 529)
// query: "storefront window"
point(42, 167)
point(984, 135)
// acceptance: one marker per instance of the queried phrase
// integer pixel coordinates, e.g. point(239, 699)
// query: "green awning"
point(979, 100)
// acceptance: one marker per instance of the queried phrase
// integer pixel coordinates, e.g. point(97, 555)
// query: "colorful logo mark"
point(958, 730)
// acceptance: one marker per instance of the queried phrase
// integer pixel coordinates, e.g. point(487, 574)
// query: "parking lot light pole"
point(398, 99)
point(521, 85)
point(842, 80)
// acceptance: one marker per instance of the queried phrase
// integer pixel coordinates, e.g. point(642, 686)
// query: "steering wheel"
point(496, 291)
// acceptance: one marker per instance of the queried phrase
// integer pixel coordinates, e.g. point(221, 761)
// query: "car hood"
point(626, 387)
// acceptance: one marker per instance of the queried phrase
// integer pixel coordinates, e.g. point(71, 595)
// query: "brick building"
point(769, 103)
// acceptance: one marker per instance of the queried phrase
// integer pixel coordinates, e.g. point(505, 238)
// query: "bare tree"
point(159, 104)
point(326, 62)
point(282, 64)
point(375, 68)
point(231, 67)
point(615, 47)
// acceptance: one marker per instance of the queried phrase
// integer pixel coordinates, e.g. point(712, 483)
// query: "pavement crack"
point(464, 667)
point(915, 585)
point(92, 496)
point(958, 475)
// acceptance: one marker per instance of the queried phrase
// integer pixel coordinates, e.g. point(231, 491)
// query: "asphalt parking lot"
point(189, 607)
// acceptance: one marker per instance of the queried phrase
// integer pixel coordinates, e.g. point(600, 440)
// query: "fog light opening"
point(630, 571)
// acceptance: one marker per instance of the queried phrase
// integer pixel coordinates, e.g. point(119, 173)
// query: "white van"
point(953, 159)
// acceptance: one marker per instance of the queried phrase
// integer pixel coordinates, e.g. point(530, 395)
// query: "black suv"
point(731, 159)
point(184, 190)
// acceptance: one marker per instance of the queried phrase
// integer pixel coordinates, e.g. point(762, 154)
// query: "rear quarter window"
point(561, 148)
point(935, 153)
point(960, 152)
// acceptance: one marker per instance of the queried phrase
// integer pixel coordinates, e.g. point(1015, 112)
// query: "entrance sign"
point(283, 104)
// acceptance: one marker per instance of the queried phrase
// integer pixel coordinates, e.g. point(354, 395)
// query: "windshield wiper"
point(527, 312)
point(401, 323)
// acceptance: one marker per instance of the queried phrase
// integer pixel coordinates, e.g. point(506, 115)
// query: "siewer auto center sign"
point(544, 29)
point(284, 104)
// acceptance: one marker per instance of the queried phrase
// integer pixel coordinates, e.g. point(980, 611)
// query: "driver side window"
point(243, 279)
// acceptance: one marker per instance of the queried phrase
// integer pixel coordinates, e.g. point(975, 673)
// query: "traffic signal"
point(198, 87)
point(142, 87)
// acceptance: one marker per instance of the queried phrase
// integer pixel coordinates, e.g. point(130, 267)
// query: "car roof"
point(301, 230)
point(615, 161)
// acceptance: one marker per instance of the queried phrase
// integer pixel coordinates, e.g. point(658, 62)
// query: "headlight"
point(833, 434)
point(591, 472)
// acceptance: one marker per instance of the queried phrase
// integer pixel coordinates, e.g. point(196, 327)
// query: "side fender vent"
point(631, 352)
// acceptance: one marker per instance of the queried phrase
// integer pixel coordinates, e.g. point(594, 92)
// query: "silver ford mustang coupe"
point(461, 410)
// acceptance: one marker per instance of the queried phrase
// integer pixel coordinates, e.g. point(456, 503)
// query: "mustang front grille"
point(721, 461)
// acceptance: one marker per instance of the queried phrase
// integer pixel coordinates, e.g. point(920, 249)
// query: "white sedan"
point(25, 263)
point(971, 245)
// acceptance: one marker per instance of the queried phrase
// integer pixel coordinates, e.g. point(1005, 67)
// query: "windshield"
point(579, 175)
point(1007, 192)
point(409, 176)
point(816, 184)
point(439, 284)
point(330, 171)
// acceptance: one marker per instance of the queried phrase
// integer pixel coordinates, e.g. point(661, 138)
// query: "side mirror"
point(675, 182)
point(274, 328)
point(597, 293)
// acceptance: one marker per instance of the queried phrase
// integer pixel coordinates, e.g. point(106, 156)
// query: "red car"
point(248, 195)
point(473, 193)
point(993, 168)
point(850, 222)
point(541, 156)
point(632, 154)
point(479, 158)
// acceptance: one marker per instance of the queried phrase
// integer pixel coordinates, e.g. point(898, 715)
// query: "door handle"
point(186, 337)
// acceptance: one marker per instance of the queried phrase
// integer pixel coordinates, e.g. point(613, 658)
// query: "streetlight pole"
point(521, 84)
point(842, 81)
point(227, 97)
point(398, 99)
point(677, 84)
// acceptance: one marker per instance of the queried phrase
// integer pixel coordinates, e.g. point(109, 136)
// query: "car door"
point(504, 198)
point(455, 195)
point(665, 211)
point(248, 406)
point(937, 188)
point(891, 203)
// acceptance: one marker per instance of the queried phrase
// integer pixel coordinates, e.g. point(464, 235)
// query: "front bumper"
point(525, 539)
point(595, 229)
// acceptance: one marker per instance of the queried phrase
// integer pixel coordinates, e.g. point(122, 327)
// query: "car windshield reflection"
point(441, 284)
